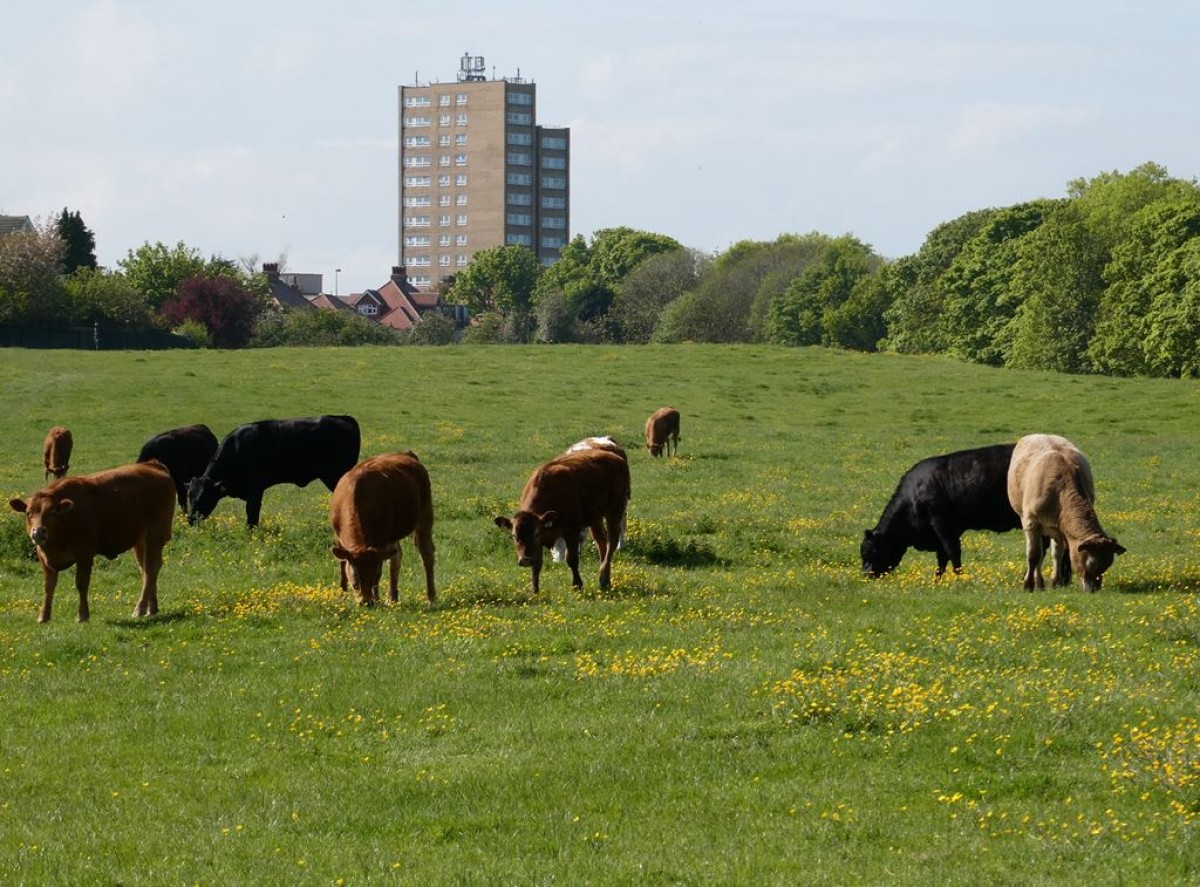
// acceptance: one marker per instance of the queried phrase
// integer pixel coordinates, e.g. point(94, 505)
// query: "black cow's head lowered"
point(203, 496)
point(879, 554)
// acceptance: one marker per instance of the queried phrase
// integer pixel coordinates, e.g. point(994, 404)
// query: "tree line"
point(1103, 280)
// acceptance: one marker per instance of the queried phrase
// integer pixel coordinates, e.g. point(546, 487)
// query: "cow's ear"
point(340, 553)
point(549, 519)
point(64, 505)
point(1118, 548)
point(17, 505)
point(503, 522)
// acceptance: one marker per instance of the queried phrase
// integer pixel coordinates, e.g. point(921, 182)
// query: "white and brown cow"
point(377, 503)
point(56, 451)
point(74, 519)
point(1050, 487)
point(662, 430)
point(559, 551)
point(586, 489)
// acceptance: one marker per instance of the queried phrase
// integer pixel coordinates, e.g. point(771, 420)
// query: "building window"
point(444, 120)
point(556, 222)
point(417, 240)
point(554, 143)
point(444, 140)
point(518, 240)
point(460, 98)
point(519, 219)
point(460, 240)
point(443, 200)
point(518, 158)
point(519, 138)
point(460, 119)
point(416, 141)
point(461, 180)
point(418, 261)
point(460, 159)
point(554, 163)
point(417, 201)
point(419, 280)
point(516, 198)
point(554, 182)
point(416, 101)
point(444, 221)
point(554, 203)
point(460, 200)
point(443, 240)
point(417, 181)
point(460, 219)
point(460, 260)
point(444, 101)
point(416, 221)
point(416, 121)
point(444, 180)
point(520, 98)
point(552, 243)
point(460, 138)
point(519, 118)
point(518, 178)
point(367, 309)
point(443, 261)
point(444, 160)
point(417, 160)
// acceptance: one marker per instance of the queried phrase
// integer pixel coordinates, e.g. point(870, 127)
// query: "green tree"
point(79, 243)
point(615, 252)
point(31, 288)
point(434, 329)
point(500, 279)
point(319, 328)
point(649, 288)
point(96, 294)
point(156, 270)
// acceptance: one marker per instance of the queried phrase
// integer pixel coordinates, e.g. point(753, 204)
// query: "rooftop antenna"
point(471, 68)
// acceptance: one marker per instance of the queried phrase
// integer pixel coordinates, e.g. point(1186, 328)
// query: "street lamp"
point(336, 272)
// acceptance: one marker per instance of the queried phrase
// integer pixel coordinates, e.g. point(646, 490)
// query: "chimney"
point(271, 269)
point(400, 278)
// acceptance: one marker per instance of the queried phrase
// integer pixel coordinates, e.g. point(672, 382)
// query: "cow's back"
point(581, 486)
point(114, 509)
point(381, 500)
point(298, 451)
point(1043, 467)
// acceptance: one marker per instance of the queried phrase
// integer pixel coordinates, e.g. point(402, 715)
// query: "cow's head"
point(879, 554)
point(203, 496)
point(1091, 557)
point(42, 514)
point(364, 567)
point(530, 534)
point(654, 448)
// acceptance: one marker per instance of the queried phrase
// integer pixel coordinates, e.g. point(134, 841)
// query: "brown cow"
point(577, 490)
point(1050, 487)
point(597, 443)
point(377, 503)
point(662, 429)
point(56, 451)
point(74, 519)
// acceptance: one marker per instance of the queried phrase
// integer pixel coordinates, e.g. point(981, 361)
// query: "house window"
point(367, 309)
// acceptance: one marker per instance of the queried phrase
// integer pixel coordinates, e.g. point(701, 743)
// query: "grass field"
point(742, 707)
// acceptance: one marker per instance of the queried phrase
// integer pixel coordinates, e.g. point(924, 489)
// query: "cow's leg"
point(181, 493)
point(1033, 559)
point(394, 575)
point(1060, 557)
point(49, 581)
point(83, 579)
point(606, 536)
point(149, 556)
point(949, 547)
point(573, 559)
point(535, 574)
point(423, 539)
point(942, 558)
point(253, 507)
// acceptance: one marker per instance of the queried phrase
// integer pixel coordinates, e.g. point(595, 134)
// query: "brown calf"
point(74, 519)
point(56, 451)
point(377, 503)
point(662, 429)
point(1050, 487)
point(584, 489)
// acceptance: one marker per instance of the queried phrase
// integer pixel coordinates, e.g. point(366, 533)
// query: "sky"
point(269, 129)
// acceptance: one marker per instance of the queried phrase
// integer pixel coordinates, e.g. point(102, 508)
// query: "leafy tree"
point(615, 252)
point(500, 279)
point(156, 270)
point(79, 242)
point(223, 304)
point(649, 288)
point(319, 328)
point(555, 320)
point(96, 294)
point(31, 289)
point(434, 329)
point(817, 307)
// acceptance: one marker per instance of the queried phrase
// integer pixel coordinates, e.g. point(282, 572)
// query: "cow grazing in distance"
point(936, 501)
point(262, 454)
point(1050, 486)
point(185, 452)
point(585, 489)
point(74, 519)
point(377, 503)
point(662, 430)
point(559, 551)
point(56, 451)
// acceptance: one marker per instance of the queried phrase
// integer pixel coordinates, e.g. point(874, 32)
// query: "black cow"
point(185, 451)
point(258, 455)
point(936, 501)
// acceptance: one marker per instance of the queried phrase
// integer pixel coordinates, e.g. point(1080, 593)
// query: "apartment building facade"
point(477, 171)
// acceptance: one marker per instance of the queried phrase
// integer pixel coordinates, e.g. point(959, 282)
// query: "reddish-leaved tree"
point(223, 304)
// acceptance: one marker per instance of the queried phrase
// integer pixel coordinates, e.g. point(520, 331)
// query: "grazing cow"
point(185, 451)
point(584, 489)
point(74, 519)
point(377, 503)
point(258, 455)
point(559, 551)
point(935, 502)
point(1050, 486)
point(56, 451)
point(662, 429)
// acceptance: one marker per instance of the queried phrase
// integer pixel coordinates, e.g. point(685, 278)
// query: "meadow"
point(741, 707)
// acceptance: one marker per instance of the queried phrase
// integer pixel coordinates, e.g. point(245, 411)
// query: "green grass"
point(741, 707)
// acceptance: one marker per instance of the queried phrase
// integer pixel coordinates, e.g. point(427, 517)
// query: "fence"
point(84, 337)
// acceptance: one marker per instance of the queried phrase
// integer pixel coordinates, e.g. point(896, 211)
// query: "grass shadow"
point(145, 622)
